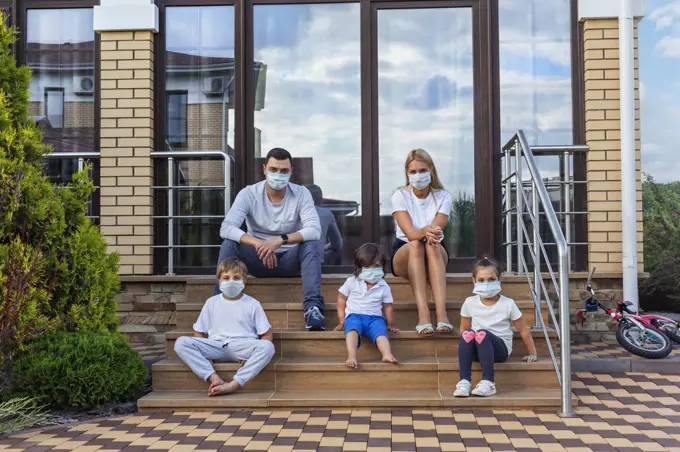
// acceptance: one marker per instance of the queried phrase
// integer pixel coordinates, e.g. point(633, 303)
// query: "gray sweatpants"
point(197, 353)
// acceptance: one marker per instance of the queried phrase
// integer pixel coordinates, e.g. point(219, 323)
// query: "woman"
point(421, 210)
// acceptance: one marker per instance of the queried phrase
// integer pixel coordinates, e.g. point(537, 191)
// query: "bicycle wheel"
point(647, 343)
point(669, 328)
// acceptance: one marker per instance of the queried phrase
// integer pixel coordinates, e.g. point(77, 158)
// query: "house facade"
point(175, 102)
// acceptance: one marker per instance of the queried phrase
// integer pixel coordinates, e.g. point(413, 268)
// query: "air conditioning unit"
point(83, 84)
point(213, 86)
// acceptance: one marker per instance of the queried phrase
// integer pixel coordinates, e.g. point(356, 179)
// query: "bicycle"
point(648, 336)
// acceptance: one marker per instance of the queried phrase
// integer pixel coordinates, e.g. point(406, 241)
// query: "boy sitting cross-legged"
point(237, 329)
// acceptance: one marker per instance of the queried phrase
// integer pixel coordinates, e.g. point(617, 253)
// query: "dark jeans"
point(482, 346)
point(303, 259)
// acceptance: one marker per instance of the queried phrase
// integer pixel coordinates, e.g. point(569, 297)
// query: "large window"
point(349, 88)
point(535, 70)
point(59, 48)
point(426, 92)
point(199, 117)
point(312, 107)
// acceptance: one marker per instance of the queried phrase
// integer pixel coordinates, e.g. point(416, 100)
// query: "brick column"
point(603, 135)
point(127, 129)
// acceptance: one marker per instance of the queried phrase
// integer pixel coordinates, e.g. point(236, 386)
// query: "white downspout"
point(628, 182)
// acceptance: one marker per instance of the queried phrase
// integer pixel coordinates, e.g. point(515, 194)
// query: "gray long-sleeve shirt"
point(265, 220)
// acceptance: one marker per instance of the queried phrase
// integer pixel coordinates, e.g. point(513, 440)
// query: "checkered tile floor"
point(610, 350)
point(621, 412)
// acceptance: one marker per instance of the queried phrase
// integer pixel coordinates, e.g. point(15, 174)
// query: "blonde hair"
point(423, 156)
point(232, 263)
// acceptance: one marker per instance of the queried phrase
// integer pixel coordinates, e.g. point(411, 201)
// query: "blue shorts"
point(372, 326)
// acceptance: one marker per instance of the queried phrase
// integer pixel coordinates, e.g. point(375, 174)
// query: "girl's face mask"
point(487, 289)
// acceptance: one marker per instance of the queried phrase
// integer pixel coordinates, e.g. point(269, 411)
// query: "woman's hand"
point(434, 234)
point(530, 358)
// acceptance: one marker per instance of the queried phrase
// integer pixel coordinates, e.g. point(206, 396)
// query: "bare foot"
point(225, 388)
point(351, 363)
point(390, 359)
point(215, 380)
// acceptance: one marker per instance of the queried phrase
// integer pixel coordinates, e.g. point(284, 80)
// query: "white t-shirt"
point(362, 300)
point(421, 211)
point(227, 320)
point(495, 319)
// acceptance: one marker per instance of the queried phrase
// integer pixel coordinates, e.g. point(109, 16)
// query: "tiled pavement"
point(619, 412)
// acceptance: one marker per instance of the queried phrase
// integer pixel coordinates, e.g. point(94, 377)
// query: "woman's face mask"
point(420, 180)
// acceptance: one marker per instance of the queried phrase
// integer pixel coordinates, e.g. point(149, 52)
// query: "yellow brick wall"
point(603, 135)
point(127, 133)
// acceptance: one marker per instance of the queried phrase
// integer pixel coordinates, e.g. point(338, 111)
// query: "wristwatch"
point(284, 237)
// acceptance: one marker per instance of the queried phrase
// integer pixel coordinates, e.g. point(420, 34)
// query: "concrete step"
point(291, 315)
point(289, 290)
point(516, 398)
point(405, 344)
point(297, 374)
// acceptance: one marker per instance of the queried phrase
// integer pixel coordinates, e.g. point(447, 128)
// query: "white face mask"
point(487, 289)
point(277, 181)
point(371, 275)
point(420, 180)
point(232, 289)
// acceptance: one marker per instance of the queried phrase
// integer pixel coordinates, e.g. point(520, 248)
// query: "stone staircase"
point(308, 369)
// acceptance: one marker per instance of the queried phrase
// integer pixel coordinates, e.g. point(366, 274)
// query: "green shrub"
point(65, 369)
point(661, 212)
point(55, 273)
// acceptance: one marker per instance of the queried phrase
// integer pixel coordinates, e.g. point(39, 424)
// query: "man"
point(330, 234)
point(284, 233)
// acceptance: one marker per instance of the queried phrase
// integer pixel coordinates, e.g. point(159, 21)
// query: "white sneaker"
point(462, 389)
point(484, 388)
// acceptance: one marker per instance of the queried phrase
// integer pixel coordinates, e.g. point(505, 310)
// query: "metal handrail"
point(171, 187)
point(518, 149)
point(81, 157)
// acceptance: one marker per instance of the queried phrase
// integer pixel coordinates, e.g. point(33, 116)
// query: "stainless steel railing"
point(81, 157)
point(519, 156)
point(172, 188)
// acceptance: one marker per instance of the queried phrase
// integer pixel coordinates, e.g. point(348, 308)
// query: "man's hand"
point(266, 251)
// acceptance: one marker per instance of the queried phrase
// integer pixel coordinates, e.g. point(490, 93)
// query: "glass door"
point(429, 89)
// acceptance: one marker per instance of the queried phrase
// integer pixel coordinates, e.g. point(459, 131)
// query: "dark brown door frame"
point(486, 114)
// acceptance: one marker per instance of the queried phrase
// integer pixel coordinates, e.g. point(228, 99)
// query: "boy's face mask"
point(233, 288)
point(371, 275)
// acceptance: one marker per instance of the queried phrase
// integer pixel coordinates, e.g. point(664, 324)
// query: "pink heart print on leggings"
point(479, 336)
point(468, 336)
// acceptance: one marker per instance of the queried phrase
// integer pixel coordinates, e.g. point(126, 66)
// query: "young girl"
point(485, 320)
point(361, 302)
